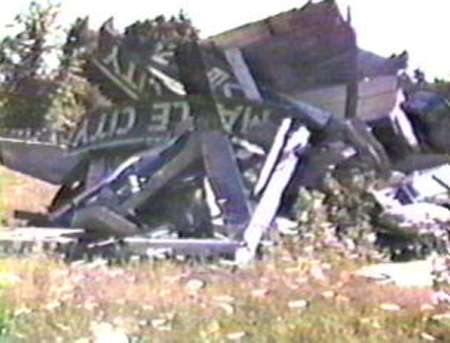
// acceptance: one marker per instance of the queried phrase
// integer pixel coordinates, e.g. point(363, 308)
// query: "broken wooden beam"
point(185, 247)
point(225, 180)
point(240, 69)
point(273, 156)
point(102, 221)
point(267, 207)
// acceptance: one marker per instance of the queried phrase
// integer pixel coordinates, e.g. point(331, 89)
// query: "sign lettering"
point(113, 59)
point(156, 121)
point(160, 118)
point(130, 115)
point(229, 116)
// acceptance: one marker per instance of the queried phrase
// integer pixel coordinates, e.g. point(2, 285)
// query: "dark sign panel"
point(134, 67)
point(154, 122)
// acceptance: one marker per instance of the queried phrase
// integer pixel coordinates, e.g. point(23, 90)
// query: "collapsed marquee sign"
point(141, 171)
point(157, 121)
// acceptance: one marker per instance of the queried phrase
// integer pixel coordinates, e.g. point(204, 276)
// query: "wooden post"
point(351, 103)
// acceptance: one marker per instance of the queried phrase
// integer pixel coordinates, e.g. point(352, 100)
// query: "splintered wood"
point(268, 205)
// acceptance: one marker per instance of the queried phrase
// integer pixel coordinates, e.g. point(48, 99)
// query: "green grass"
point(6, 323)
point(151, 303)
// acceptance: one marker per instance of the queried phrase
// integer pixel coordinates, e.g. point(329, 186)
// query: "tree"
point(24, 83)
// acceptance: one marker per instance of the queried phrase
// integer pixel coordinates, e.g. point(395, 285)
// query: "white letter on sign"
point(130, 114)
point(160, 117)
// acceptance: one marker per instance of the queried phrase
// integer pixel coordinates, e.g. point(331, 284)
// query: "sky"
point(382, 26)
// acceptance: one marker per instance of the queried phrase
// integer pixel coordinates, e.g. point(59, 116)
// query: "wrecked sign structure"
point(174, 162)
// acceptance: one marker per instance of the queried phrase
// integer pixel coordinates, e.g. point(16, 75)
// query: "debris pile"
point(209, 146)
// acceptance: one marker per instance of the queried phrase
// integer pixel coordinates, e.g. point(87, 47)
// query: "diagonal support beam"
point(273, 156)
point(242, 72)
point(267, 207)
point(167, 173)
point(226, 182)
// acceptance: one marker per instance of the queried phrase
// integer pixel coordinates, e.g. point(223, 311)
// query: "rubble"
point(208, 142)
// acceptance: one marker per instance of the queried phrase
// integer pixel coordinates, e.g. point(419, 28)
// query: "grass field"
point(19, 192)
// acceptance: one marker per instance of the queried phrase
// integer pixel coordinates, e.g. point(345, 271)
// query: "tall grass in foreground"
point(6, 323)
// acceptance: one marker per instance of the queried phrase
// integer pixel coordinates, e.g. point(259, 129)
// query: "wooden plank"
point(187, 247)
point(40, 235)
point(103, 221)
point(225, 179)
point(273, 156)
point(331, 99)
point(194, 76)
point(378, 85)
point(352, 87)
point(242, 37)
point(268, 205)
point(242, 72)
point(376, 97)
point(358, 133)
point(403, 124)
point(173, 168)
point(376, 107)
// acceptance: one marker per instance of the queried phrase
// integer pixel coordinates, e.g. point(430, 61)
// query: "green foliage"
point(30, 95)
point(65, 107)
point(25, 84)
point(22, 55)
point(340, 216)
point(6, 322)
point(346, 216)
